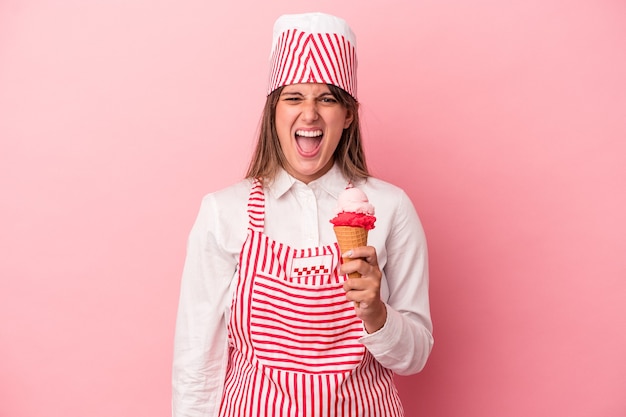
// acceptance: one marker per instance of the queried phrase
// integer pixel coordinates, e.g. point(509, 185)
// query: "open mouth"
point(308, 141)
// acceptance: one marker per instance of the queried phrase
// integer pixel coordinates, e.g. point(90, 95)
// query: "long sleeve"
point(405, 341)
point(201, 342)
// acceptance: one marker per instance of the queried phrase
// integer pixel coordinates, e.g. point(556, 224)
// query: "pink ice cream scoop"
point(355, 218)
point(354, 209)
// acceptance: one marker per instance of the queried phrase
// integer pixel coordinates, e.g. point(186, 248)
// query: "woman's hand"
point(365, 291)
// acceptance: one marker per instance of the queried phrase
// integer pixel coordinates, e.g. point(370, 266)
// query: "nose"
point(309, 110)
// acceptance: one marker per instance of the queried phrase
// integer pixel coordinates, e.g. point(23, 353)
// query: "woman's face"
point(309, 123)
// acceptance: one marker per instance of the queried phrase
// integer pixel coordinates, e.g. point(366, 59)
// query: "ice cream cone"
point(350, 237)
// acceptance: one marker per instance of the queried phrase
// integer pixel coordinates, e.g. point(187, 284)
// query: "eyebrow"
point(297, 93)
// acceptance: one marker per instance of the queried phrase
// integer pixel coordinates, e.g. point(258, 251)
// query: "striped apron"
point(293, 335)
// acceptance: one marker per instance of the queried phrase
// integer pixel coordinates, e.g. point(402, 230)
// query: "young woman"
point(269, 324)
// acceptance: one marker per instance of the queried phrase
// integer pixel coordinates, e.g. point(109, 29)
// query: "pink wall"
point(505, 122)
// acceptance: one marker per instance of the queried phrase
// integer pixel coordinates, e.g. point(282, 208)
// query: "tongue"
point(308, 144)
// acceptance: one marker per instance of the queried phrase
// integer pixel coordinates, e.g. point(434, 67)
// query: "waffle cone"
point(350, 237)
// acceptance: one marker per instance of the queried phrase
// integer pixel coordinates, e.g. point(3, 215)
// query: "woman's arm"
point(201, 341)
point(405, 341)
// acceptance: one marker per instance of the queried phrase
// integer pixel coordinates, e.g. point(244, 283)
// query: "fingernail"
point(348, 254)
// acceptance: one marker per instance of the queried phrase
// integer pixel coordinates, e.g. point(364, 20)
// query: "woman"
point(257, 336)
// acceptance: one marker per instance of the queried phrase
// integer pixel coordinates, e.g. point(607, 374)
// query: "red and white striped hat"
point(313, 48)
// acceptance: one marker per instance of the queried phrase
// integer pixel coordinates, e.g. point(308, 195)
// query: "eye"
point(328, 99)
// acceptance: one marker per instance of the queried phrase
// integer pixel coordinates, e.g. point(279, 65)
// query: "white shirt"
point(298, 215)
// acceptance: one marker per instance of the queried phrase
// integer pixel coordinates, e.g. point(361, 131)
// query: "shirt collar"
point(333, 182)
point(281, 183)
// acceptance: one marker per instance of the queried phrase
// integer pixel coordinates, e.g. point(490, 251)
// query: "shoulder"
point(220, 226)
point(378, 185)
point(225, 207)
point(235, 194)
point(391, 201)
point(382, 192)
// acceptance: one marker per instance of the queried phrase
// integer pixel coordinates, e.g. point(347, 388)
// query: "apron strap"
point(256, 207)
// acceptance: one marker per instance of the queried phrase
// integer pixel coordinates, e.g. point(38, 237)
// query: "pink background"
point(504, 121)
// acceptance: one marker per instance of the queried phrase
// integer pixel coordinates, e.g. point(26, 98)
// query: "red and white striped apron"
point(294, 348)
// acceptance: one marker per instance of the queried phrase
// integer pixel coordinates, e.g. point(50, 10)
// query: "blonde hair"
point(268, 156)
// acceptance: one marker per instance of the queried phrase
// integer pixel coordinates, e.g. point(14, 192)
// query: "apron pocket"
point(304, 328)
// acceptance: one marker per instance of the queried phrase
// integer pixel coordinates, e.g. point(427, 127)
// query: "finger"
point(364, 252)
point(354, 265)
point(355, 284)
point(364, 290)
point(363, 269)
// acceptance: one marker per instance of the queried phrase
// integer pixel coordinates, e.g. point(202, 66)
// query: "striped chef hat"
point(313, 48)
